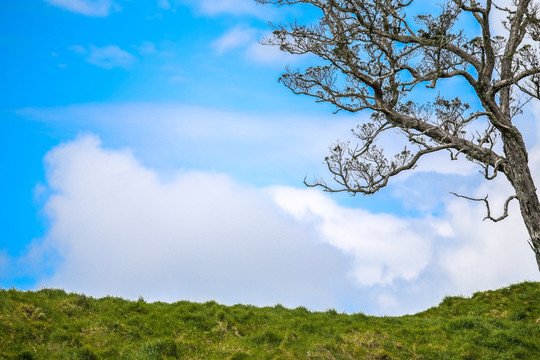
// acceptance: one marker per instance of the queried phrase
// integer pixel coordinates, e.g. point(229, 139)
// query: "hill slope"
point(50, 324)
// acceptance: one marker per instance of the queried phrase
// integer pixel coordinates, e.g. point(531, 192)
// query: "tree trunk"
point(519, 175)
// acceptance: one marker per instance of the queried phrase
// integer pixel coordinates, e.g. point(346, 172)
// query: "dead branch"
point(486, 202)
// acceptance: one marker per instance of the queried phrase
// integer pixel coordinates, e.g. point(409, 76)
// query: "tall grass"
point(51, 324)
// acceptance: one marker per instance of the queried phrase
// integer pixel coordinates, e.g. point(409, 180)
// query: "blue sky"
point(148, 150)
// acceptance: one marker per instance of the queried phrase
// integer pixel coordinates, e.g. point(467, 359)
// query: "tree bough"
point(375, 56)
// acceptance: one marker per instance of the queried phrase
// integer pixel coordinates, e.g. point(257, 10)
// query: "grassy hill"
point(50, 324)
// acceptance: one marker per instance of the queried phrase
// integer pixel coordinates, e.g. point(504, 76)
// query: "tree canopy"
point(376, 56)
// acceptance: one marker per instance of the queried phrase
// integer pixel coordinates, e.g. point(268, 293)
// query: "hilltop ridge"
point(52, 324)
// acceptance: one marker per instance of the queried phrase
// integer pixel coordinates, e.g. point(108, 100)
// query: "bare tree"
point(376, 57)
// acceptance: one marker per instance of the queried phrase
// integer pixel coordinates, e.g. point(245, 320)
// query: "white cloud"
point(200, 236)
point(388, 302)
point(248, 39)
point(121, 230)
point(107, 57)
point(498, 17)
point(107, 198)
point(384, 247)
point(97, 8)
point(486, 255)
point(236, 37)
point(457, 250)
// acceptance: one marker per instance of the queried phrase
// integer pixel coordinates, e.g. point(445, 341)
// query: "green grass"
point(51, 324)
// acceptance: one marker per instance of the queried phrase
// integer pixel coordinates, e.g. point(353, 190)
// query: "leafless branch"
point(375, 56)
point(486, 202)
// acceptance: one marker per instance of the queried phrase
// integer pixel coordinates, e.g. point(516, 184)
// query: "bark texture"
point(520, 177)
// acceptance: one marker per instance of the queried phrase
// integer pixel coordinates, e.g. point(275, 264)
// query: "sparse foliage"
point(377, 57)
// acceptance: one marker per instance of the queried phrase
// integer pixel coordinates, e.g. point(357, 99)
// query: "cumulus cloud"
point(486, 255)
point(121, 230)
point(199, 236)
point(107, 57)
point(197, 231)
point(97, 8)
point(384, 247)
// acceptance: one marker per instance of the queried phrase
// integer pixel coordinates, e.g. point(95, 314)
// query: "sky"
point(147, 149)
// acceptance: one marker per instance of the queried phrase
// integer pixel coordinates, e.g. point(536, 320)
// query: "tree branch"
point(486, 202)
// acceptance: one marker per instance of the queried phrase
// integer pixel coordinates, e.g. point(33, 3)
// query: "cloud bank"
point(121, 230)
point(200, 236)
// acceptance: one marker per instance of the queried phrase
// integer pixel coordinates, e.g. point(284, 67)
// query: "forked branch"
point(486, 202)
